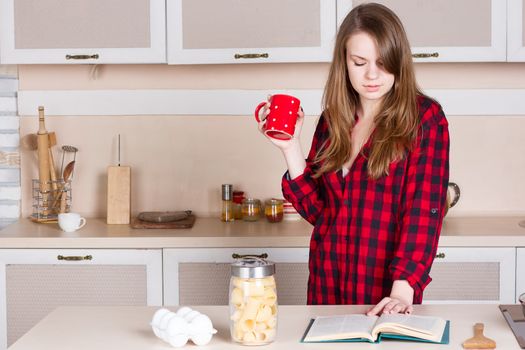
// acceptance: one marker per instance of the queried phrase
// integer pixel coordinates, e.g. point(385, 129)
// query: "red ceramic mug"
point(280, 122)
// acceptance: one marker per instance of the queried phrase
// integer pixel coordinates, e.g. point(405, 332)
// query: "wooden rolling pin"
point(43, 158)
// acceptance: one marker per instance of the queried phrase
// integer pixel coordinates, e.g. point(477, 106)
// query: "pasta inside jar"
point(253, 303)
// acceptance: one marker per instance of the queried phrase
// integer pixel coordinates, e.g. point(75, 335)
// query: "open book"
point(359, 327)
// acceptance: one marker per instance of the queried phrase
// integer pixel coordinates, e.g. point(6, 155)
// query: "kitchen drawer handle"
point(82, 57)
point(425, 55)
point(239, 256)
point(251, 55)
point(74, 258)
point(440, 256)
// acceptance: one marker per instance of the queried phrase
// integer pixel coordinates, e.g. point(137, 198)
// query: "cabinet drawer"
point(232, 31)
point(82, 31)
point(32, 291)
point(33, 282)
point(464, 38)
point(202, 276)
point(472, 275)
point(207, 283)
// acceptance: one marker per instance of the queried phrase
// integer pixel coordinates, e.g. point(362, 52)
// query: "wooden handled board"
point(184, 223)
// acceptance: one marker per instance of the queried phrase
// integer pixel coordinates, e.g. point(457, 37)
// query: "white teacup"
point(70, 222)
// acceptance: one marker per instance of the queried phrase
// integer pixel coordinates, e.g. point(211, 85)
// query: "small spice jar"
point(253, 300)
point(251, 209)
point(227, 203)
point(274, 210)
point(238, 197)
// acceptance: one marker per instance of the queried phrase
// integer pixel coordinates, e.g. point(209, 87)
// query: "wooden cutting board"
point(184, 223)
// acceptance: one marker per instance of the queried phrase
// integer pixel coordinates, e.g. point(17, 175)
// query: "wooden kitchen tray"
point(516, 320)
point(184, 223)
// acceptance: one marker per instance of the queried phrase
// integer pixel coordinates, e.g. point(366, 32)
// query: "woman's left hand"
point(390, 305)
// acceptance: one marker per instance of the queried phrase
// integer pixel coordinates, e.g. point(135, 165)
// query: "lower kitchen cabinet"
point(460, 275)
point(472, 275)
point(520, 272)
point(202, 276)
point(35, 281)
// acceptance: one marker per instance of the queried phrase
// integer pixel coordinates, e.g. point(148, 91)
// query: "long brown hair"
point(397, 122)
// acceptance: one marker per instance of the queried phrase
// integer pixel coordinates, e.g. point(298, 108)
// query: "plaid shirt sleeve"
point(423, 202)
point(304, 191)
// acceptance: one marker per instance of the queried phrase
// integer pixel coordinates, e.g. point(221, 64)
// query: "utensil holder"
point(46, 205)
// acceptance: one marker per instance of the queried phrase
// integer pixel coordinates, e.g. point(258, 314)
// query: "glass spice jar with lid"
point(253, 300)
point(227, 203)
point(251, 209)
point(274, 210)
point(238, 197)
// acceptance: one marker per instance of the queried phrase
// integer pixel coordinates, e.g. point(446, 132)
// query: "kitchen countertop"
point(127, 327)
point(496, 231)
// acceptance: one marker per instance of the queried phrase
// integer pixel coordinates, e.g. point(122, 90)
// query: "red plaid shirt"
point(368, 233)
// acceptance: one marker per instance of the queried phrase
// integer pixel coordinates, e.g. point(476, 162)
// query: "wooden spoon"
point(68, 170)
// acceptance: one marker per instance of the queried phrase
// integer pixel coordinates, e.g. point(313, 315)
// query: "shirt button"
point(433, 210)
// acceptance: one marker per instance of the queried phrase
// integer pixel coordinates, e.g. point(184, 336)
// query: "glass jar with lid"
point(253, 300)
point(251, 209)
point(238, 197)
point(274, 210)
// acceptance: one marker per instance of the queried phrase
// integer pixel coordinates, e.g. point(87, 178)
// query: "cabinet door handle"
point(239, 256)
point(251, 55)
point(82, 57)
point(425, 55)
point(74, 258)
point(440, 256)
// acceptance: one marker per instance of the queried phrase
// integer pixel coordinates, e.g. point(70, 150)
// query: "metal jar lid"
point(227, 192)
point(252, 266)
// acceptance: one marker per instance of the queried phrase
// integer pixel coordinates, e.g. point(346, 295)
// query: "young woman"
point(375, 180)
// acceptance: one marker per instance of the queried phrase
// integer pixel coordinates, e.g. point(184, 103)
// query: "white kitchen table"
point(128, 327)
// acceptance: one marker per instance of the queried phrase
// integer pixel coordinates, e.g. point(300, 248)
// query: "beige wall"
point(179, 162)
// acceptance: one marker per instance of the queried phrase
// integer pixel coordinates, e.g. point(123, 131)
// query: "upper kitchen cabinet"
point(449, 30)
point(236, 31)
point(516, 31)
point(82, 31)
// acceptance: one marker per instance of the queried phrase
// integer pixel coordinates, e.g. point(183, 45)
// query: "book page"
point(424, 327)
point(325, 328)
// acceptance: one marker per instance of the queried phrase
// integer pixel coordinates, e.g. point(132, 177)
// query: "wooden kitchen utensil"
point(68, 170)
point(479, 341)
point(63, 194)
point(52, 170)
point(43, 159)
point(163, 216)
point(179, 224)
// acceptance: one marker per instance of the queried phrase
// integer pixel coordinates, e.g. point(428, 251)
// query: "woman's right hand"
point(282, 144)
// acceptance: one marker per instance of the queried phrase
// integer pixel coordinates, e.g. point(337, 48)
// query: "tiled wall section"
point(9, 152)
